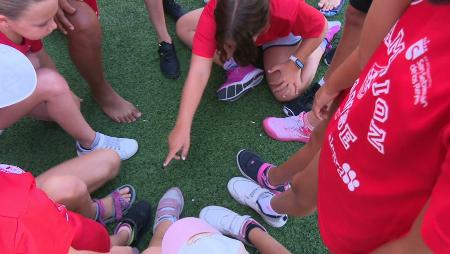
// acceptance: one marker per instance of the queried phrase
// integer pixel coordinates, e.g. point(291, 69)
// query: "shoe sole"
point(176, 76)
point(271, 221)
point(272, 134)
point(251, 83)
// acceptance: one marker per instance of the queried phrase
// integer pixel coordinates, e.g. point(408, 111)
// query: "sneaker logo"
point(349, 177)
point(417, 49)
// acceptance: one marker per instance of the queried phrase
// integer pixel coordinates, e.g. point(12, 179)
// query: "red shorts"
point(93, 5)
point(88, 234)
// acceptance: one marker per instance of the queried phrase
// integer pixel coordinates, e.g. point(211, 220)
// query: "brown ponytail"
point(239, 21)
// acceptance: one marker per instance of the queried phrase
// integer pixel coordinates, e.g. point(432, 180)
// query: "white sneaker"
point(125, 147)
point(247, 192)
point(228, 222)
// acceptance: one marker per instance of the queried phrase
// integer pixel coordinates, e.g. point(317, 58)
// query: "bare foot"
point(326, 5)
point(116, 107)
point(108, 202)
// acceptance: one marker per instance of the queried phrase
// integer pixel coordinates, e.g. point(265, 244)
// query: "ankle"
point(250, 226)
point(90, 142)
point(271, 178)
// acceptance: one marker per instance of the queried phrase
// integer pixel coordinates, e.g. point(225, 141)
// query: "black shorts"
point(361, 5)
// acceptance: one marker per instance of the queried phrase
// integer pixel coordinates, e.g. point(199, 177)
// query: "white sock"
point(230, 64)
point(324, 44)
point(265, 206)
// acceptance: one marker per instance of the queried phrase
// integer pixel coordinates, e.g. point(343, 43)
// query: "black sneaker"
point(254, 168)
point(173, 9)
point(302, 103)
point(139, 219)
point(328, 57)
point(168, 60)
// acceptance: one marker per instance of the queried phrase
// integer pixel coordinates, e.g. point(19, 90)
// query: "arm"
point(312, 26)
point(197, 79)
point(381, 17)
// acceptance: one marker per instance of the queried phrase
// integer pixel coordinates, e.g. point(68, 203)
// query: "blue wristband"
point(297, 62)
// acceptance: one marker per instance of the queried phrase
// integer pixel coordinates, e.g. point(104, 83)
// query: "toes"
point(321, 3)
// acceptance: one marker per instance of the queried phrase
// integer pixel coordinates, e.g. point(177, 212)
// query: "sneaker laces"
point(111, 143)
point(298, 125)
point(167, 52)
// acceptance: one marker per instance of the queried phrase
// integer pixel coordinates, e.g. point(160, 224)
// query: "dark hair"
point(14, 8)
point(239, 21)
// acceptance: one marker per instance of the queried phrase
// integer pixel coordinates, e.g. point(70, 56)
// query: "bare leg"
point(155, 243)
point(265, 243)
point(301, 199)
point(187, 25)
point(300, 160)
point(53, 100)
point(86, 53)
point(278, 55)
point(93, 169)
point(354, 20)
point(156, 15)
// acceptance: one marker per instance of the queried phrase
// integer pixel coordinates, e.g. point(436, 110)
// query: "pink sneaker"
point(239, 81)
point(333, 28)
point(291, 128)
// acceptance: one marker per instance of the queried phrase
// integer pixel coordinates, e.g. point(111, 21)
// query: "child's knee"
point(112, 160)
point(64, 188)
point(51, 83)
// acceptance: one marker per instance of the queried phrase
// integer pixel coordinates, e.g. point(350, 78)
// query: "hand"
point(322, 102)
point(179, 141)
point(290, 81)
point(61, 20)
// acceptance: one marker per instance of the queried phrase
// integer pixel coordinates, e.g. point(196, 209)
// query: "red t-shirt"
point(26, 47)
point(386, 151)
point(31, 223)
point(286, 16)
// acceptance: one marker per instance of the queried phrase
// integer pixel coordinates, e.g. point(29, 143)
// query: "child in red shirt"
point(290, 32)
point(383, 172)
point(30, 222)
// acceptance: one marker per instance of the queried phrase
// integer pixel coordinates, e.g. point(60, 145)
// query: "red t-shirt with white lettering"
point(286, 16)
point(386, 151)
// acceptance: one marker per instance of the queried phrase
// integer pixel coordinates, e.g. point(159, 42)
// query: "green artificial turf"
point(219, 131)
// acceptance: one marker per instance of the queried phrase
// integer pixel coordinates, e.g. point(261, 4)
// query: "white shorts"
point(289, 40)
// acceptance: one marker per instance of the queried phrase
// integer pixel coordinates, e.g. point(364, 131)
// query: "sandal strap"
point(120, 205)
point(100, 211)
point(118, 202)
